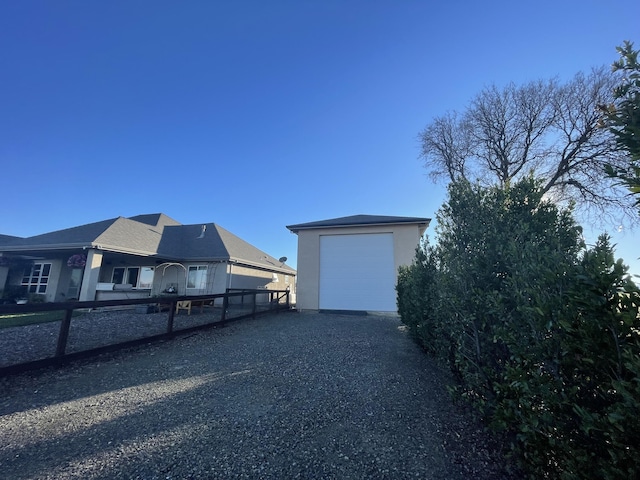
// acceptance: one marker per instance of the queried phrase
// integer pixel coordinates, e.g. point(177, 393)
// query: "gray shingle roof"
point(211, 242)
point(151, 235)
point(128, 235)
point(8, 239)
point(75, 236)
point(155, 219)
point(359, 220)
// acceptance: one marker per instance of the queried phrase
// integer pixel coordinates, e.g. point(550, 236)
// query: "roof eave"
point(197, 259)
point(297, 228)
point(261, 266)
point(75, 246)
point(45, 247)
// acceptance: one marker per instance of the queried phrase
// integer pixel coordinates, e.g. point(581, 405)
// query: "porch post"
point(91, 276)
point(4, 273)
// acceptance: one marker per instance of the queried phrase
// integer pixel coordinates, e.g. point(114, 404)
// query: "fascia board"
point(47, 246)
point(197, 259)
point(262, 266)
point(295, 229)
point(74, 246)
point(117, 249)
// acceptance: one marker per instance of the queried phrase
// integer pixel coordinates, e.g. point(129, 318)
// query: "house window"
point(146, 277)
point(75, 282)
point(132, 276)
point(36, 277)
point(197, 277)
point(118, 275)
point(137, 277)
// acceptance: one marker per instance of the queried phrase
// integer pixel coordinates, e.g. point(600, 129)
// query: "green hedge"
point(542, 333)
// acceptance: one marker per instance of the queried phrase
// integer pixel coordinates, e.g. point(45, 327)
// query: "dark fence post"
point(225, 305)
point(64, 332)
point(172, 312)
point(255, 301)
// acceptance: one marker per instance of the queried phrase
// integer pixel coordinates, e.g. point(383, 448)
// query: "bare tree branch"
point(444, 148)
point(549, 129)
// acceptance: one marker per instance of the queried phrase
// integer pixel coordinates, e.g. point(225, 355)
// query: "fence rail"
point(214, 310)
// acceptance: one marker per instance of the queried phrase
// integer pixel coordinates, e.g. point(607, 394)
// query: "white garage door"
point(357, 272)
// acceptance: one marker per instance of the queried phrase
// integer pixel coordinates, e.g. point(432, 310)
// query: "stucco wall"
point(405, 240)
point(247, 277)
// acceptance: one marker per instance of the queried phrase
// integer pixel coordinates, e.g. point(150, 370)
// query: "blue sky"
point(259, 114)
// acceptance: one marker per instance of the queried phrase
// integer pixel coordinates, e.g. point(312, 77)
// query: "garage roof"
point(360, 220)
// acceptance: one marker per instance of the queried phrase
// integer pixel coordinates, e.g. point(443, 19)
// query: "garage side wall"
point(253, 278)
point(405, 240)
point(308, 287)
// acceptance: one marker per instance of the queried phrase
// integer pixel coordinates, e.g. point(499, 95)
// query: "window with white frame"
point(36, 277)
point(197, 277)
point(145, 280)
point(137, 277)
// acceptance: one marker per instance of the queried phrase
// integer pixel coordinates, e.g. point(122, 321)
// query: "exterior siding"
point(145, 241)
point(14, 278)
point(405, 240)
point(252, 278)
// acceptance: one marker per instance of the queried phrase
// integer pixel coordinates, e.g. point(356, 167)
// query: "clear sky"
point(260, 114)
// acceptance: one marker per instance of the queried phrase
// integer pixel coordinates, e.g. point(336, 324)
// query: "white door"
point(357, 272)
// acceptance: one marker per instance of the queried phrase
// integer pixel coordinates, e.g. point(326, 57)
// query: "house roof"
point(155, 219)
point(150, 235)
point(209, 241)
point(72, 237)
point(360, 220)
point(119, 234)
point(4, 239)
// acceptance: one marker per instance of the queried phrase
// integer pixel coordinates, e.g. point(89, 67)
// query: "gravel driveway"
point(292, 395)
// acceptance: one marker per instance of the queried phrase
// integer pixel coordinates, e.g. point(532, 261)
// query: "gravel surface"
point(96, 329)
point(291, 395)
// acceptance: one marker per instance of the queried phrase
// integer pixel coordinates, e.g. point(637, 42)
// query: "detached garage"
point(351, 263)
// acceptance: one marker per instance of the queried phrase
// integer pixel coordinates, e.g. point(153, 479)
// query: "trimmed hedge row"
point(542, 333)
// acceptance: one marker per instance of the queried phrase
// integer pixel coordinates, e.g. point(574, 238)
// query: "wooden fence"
point(221, 308)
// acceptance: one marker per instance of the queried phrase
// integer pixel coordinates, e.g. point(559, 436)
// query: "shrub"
point(541, 332)
point(418, 299)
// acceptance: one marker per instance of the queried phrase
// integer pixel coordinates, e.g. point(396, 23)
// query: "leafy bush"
point(418, 298)
point(542, 333)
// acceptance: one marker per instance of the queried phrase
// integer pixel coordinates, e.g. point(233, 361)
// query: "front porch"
point(96, 275)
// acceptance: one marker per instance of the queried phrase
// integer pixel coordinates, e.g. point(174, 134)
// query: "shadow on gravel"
point(287, 396)
point(93, 376)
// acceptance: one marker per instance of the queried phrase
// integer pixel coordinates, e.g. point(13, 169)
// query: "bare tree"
point(544, 128)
